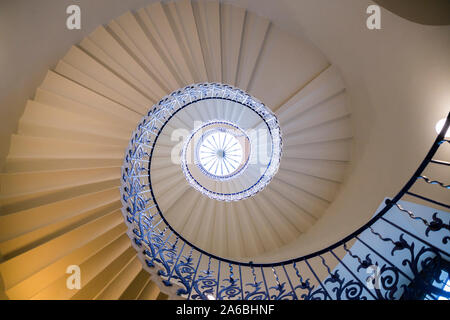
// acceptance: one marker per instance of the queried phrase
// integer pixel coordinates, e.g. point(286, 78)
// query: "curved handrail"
point(159, 249)
point(382, 212)
point(271, 163)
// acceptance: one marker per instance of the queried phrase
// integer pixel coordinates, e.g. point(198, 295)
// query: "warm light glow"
point(439, 127)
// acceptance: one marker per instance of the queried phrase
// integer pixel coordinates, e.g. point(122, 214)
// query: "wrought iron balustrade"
point(384, 259)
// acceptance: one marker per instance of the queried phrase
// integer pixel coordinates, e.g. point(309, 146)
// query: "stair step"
point(120, 283)
point(207, 16)
point(41, 279)
point(136, 286)
point(83, 69)
point(25, 265)
point(110, 52)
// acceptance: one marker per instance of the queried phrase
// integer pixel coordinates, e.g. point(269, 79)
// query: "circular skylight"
point(219, 153)
point(234, 148)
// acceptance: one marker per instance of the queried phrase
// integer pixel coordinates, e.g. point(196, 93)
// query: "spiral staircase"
point(63, 197)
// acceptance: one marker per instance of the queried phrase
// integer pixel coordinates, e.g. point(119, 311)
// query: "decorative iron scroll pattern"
point(436, 182)
point(399, 255)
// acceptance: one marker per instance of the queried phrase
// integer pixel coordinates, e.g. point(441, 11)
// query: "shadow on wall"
point(427, 12)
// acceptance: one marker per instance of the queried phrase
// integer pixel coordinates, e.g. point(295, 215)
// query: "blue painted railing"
point(396, 255)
